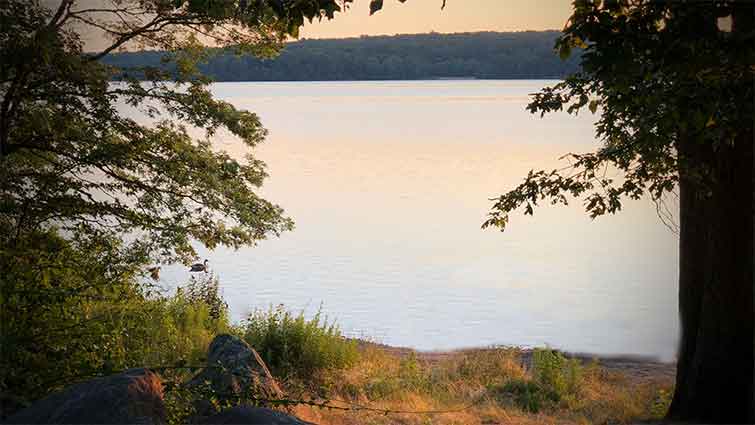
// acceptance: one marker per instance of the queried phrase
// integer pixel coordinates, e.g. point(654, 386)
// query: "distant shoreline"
point(477, 55)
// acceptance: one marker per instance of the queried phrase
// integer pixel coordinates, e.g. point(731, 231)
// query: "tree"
point(674, 87)
point(88, 195)
point(419, 56)
point(70, 158)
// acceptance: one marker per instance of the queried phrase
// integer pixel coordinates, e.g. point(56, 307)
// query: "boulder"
point(132, 397)
point(235, 369)
point(249, 415)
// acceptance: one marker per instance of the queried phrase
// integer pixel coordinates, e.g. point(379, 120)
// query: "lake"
point(389, 182)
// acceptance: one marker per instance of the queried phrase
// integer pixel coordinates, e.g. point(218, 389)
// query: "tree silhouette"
point(675, 94)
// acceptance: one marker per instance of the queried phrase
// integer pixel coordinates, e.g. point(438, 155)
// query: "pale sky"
point(411, 17)
point(421, 16)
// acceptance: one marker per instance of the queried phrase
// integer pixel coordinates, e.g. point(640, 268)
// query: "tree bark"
point(714, 382)
point(715, 365)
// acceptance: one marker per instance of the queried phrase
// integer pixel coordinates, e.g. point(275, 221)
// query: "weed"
point(556, 373)
point(296, 348)
point(527, 395)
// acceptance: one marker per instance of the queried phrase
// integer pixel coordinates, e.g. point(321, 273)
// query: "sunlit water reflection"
point(389, 182)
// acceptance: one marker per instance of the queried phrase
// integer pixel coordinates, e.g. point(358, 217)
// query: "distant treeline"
point(491, 55)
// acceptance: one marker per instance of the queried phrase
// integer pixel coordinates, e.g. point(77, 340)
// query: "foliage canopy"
point(675, 85)
point(71, 159)
point(89, 195)
point(656, 71)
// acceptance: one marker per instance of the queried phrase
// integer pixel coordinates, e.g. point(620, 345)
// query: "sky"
point(412, 17)
point(422, 16)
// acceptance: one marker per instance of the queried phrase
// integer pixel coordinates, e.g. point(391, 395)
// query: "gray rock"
point(132, 397)
point(235, 369)
point(249, 415)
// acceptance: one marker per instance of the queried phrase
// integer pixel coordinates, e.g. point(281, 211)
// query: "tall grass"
point(172, 331)
point(495, 385)
point(296, 348)
point(553, 381)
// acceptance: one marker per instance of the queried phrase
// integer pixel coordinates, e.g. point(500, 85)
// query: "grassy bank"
point(361, 382)
point(385, 385)
point(489, 386)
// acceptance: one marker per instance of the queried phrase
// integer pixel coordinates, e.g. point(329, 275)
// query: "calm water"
point(389, 182)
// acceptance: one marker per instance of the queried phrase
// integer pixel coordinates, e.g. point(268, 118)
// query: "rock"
point(132, 397)
point(249, 415)
point(235, 369)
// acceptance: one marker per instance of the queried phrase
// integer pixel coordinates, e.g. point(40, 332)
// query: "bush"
point(74, 310)
point(205, 292)
point(412, 375)
point(177, 330)
point(62, 303)
point(527, 395)
point(555, 380)
point(295, 348)
point(557, 374)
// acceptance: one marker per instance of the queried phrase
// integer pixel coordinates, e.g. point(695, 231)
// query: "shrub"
point(61, 312)
point(556, 373)
point(206, 292)
point(74, 310)
point(555, 380)
point(295, 348)
point(529, 396)
point(175, 330)
point(413, 377)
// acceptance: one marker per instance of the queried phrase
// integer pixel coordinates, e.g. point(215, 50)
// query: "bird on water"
point(199, 267)
point(154, 273)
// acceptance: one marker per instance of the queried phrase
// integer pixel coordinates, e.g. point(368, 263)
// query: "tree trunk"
point(715, 365)
point(714, 382)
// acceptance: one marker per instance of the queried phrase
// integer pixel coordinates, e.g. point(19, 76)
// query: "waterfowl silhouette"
point(199, 267)
point(154, 273)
